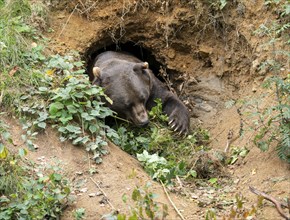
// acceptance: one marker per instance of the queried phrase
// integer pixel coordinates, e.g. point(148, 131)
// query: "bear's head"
point(129, 87)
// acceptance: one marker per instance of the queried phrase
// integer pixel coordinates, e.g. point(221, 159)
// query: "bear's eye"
point(128, 105)
point(143, 99)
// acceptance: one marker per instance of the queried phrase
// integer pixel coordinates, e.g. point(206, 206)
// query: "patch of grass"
point(17, 31)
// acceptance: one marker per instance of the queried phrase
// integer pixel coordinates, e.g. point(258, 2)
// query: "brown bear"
point(133, 88)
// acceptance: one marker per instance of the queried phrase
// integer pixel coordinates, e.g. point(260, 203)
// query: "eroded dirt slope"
point(211, 57)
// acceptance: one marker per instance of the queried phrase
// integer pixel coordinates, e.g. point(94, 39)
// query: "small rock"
point(206, 107)
point(99, 193)
point(41, 158)
point(79, 173)
point(83, 190)
point(236, 181)
point(194, 196)
point(171, 54)
point(33, 44)
point(92, 194)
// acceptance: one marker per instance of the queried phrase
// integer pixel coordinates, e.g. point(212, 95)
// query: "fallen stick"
point(271, 199)
point(172, 203)
point(112, 207)
point(64, 26)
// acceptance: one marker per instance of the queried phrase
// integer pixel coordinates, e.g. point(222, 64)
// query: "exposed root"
point(277, 204)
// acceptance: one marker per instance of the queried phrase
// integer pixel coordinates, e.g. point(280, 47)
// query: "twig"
point(172, 203)
point(271, 199)
point(229, 138)
point(1, 96)
point(112, 207)
point(179, 181)
point(67, 20)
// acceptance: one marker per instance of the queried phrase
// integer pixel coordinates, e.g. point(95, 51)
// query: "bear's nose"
point(144, 124)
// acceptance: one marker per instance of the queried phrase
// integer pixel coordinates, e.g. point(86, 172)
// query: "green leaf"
point(55, 107)
point(193, 173)
point(213, 180)
point(136, 195)
point(22, 152)
point(124, 198)
point(73, 129)
point(43, 89)
point(121, 217)
point(42, 125)
point(92, 128)
point(3, 151)
point(55, 177)
point(263, 145)
point(72, 109)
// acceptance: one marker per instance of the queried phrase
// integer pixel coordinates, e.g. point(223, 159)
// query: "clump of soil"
point(207, 56)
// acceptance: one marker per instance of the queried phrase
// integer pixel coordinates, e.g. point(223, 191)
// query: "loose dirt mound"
point(208, 55)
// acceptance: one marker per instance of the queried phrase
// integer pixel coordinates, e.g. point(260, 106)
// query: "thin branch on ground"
point(172, 203)
point(64, 26)
point(229, 138)
point(112, 207)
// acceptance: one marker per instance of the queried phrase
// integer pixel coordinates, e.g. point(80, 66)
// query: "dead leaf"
point(13, 71)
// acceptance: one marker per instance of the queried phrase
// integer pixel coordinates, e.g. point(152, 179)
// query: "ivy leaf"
point(42, 125)
point(3, 151)
point(55, 107)
point(22, 152)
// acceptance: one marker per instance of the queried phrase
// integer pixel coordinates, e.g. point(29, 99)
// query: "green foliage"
point(30, 193)
point(72, 105)
point(17, 31)
point(162, 153)
point(218, 4)
point(282, 7)
point(79, 214)
point(144, 206)
point(236, 153)
point(273, 124)
point(77, 111)
point(274, 121)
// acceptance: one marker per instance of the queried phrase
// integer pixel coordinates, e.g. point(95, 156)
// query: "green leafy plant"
point(236, 153)
point(73, 106)
point(218, 4)
point(273, 124)
point(30, 193)
point(18, 30)
point(145, 207)
point(162, 153)
point(79, 214)
point(274, 121)
point(77, 111)
point(238, 211)
point(156, 166)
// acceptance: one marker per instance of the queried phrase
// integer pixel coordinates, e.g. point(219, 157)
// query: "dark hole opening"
point(130, 47)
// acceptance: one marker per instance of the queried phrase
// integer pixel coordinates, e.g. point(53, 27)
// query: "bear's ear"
point(140, 66)
point(96, 73)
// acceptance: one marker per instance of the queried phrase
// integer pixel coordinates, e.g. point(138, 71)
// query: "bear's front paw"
point(179, 123)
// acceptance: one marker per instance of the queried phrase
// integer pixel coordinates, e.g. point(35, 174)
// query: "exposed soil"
point(210, 57)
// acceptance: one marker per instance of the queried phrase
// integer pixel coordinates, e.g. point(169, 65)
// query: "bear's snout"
point(140, 116)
